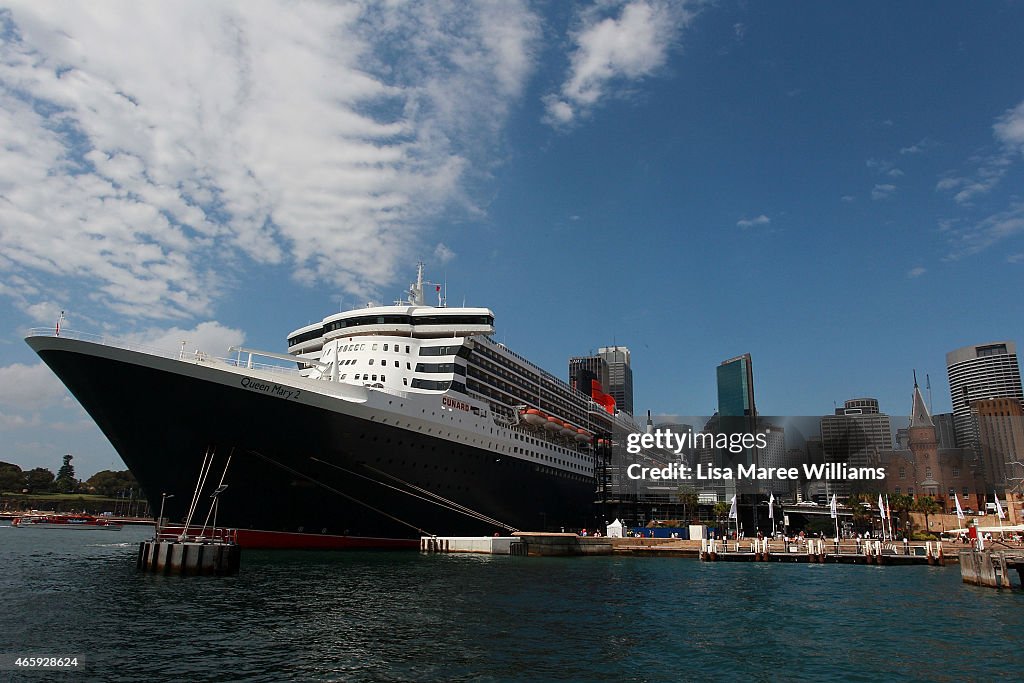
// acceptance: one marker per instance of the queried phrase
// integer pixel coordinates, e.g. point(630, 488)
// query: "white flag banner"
point(959, 510)
point(732, 509)
point(771, 505)
point(999, 508)
point(881, 506)
point(834, 512)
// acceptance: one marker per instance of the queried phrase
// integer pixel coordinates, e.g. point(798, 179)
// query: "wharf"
point(536, 544)
point(524, 543)
point(820, 551)
point(992, 568)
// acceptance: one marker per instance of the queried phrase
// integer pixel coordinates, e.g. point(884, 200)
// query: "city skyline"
point(833, 190)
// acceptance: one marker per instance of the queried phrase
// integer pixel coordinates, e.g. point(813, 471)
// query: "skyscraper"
point(585, 368)
point(978, 373)
point(620, 376)
point(855, 435)
point(736, 388)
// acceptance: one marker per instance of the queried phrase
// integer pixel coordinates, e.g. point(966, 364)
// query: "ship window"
point(435, 367)
point(374, 378)
point(382, 378)
point(408, 366)
point(405, 381)
point(430, 384)
point(373, 348)
point(385, 347)
point(396, 363)
point(342, 377)
point(371, 361)
point(407, 348)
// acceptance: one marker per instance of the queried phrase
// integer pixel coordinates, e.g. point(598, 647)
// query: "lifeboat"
point(568, 429)
point(582, 435)
point(534, 417)
point(554, 424)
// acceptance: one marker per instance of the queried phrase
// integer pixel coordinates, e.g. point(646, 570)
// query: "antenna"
point(928, 384)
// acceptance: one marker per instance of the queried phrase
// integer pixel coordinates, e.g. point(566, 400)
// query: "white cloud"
point(894, 173)
point(976, 237)
point(210, 337)
point(753, 222)
point(150, 152)
point(882, 191)
point(613, 48)
point(1009, 129)
point(918, 147)
point(29, 387)
point(442, 254)
point(848, 198)
point(916, 272)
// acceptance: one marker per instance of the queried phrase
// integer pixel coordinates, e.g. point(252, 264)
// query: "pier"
point(992, 568)
point(523, 543)
point(822, 551)
point(810, 551)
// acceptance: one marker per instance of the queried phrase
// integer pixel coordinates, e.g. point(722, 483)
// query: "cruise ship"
point(379, 426)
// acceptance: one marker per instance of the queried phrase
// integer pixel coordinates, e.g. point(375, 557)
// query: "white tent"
point(615, 529)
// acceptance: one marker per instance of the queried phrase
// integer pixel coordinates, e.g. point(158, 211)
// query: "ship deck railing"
point(181, 353)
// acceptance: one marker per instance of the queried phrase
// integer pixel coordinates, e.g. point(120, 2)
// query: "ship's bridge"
point(424, 322)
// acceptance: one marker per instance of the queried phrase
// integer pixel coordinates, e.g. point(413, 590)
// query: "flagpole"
point(888, 514)
point(999, 513)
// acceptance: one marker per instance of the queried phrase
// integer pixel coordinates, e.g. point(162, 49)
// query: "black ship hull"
point(299, 468)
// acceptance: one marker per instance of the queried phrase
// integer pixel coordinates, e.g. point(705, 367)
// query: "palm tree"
point(861, 516)
point(720, 511)
point(688, 499)
point(928, 506)
point(903, 504)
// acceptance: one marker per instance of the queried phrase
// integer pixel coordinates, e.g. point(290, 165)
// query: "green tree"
point(721, 511)
point(903, 504)
point(111, 483)
point(928, 506)
point(688, 499)
point(12, 479)
point(65, 481)
point(39, 480)
point(862, 517)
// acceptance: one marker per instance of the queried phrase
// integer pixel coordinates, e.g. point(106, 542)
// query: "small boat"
point(534, 417)
point(67, 521)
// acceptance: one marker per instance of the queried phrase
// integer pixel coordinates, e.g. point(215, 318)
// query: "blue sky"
point(833, 188)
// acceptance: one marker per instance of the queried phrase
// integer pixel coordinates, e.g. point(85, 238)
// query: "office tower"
point(736, 388)
point(945, 430)
point(978, 373)
point(620, 376)
point(854, 435)
point(585, 368)
point(1000, 428)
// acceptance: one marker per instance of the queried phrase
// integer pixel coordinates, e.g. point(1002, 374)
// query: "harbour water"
point(406, 616)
